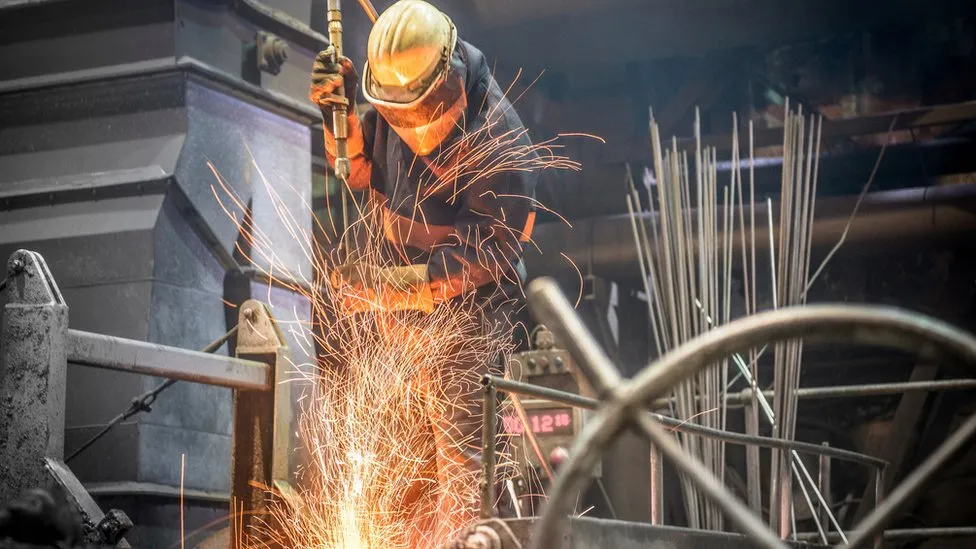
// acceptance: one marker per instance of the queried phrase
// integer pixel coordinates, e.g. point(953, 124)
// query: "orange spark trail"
point(373, 478)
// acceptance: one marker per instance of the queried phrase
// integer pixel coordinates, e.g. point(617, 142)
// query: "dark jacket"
point(467, 214)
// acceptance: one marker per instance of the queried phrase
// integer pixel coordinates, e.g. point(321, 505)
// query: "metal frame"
point(625, 401)
point(493, 384)
point(38, 346)
point(561, 397)
point(262, 424)
point(33, 341)
point(141, 357)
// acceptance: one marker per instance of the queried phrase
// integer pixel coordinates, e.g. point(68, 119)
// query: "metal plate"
point(596, 533)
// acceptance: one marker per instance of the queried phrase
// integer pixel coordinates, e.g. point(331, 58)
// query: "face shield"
point(425, 118)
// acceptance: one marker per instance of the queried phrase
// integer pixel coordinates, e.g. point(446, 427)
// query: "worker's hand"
point(328, 74)
point(361, 289)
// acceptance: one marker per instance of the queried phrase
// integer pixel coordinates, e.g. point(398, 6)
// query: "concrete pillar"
point(33, 372)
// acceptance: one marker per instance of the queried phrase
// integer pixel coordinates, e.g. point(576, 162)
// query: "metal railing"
point(623, 403)
point(37, 347)
point(493, 385)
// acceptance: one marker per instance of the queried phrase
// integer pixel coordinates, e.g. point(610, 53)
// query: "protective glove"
point(327, 76)
point(362, 289)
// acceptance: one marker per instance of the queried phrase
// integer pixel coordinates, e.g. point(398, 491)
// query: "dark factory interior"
point(740, 309)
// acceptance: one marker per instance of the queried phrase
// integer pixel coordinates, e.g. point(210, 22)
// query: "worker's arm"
point(492, 224)
point(358, 144)
point(327, 76)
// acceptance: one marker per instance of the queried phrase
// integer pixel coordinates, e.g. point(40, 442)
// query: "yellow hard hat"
point(408, 50)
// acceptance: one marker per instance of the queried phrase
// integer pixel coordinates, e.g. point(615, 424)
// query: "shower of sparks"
point(386, 379)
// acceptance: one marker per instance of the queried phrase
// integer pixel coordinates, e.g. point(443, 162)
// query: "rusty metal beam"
point(140, 357)
point(262, 425)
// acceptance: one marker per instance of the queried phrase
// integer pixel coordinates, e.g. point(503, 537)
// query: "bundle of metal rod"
point(689, 289)
point(790, 272)
point(689, 292)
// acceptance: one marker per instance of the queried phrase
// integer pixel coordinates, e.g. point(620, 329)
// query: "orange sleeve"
point(360, 167)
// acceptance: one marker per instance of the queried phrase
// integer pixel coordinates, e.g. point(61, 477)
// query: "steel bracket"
point(33, 374)
point(262, 422)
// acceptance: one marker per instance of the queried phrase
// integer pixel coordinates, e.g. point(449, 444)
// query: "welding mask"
point(413, 76)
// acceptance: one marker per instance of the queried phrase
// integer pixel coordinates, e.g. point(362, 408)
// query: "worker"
point(458, 227)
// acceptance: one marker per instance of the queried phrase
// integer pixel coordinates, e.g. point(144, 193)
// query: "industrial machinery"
point(553, 426)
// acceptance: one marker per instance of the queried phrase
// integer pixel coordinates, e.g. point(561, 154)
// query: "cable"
point(144, 402)
point(857, 204)
point(370, 10)
point(606, 497)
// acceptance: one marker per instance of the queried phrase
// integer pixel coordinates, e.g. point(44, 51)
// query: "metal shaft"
point(340, 126)
point(488, 431)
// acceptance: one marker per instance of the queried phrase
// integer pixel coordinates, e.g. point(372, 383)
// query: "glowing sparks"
point(374, 478)
point(182, 508)
point(385, 428)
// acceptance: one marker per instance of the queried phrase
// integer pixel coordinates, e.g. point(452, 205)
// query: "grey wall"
point(110, 113)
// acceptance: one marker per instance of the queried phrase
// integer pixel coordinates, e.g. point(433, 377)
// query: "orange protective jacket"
point(465, 210)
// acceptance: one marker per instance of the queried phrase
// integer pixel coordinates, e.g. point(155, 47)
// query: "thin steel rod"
point(878, 498)
point(657, 487)
point(806, 497)
point(488, 432)
point(907, 534)
point(849, 391)
point(820, 497)
point(823, 479)
point(572, 399)
point(644, 271)
point(753, 468)
point(878, 389)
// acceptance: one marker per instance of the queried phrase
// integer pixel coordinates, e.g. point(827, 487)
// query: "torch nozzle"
point(342, 169)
